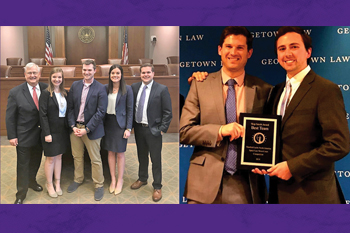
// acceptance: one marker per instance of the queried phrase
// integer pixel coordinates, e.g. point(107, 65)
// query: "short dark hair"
point(147, 65)
point(305, 37)
point(237, 30)
point(122, 84)
point(89, 62)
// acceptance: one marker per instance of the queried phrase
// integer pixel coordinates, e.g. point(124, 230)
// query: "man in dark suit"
point(314, 130)
point(23, 129)
point(211, 177)
point(153, 114)
point(87, 104)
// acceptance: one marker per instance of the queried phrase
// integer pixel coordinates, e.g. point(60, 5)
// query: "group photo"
point(90, 115)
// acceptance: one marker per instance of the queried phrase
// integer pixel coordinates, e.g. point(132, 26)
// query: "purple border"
point(175, 218)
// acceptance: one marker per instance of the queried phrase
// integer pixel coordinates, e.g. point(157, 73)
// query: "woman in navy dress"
point(55, 134)
point(118, 124)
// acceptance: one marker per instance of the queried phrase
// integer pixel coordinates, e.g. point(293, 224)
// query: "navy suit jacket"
point(94, 110)
point(124, 108)
point(159, 111)
point(22, 116)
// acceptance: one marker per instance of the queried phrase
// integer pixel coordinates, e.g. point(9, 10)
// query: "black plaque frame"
point(260, 145)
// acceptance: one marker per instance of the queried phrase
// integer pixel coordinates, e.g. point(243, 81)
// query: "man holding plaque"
point(210, 122)
point(314, 129)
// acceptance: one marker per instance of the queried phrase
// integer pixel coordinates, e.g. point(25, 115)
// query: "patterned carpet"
point(85, 193)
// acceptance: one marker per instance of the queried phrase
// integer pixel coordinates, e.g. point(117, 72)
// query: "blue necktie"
point(231, 116)
point(140, 106)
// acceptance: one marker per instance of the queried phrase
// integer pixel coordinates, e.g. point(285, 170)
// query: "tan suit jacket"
point(202, 116)
point(314, 135)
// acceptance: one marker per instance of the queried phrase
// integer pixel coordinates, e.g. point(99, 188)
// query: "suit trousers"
point(93, 148)
point(28, 163)
point(146, 143)
point(234, 189)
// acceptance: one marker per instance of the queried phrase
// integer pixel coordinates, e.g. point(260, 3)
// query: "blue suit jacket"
point(124, 108)
point(95, 107)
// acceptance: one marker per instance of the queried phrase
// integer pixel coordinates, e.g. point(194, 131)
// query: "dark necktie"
point(231, 116)
point(35, 98)
point(140, 106)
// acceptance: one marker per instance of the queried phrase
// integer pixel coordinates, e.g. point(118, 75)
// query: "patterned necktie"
point(286, 98)
point(35, 98)
point(231, 116)
point(140, 106)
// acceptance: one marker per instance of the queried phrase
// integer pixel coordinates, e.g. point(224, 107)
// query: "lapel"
point(304, 87)
point(54, 98)
point(136, 91)
point(90, 92)
point(215, 86)
point(279, 89)
point(151, 95)
point(250, 92)
point(118, 98)
point(27, 95)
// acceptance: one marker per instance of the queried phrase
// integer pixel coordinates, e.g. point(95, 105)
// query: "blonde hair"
point(51, 87)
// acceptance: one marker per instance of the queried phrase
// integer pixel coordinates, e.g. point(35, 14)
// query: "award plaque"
point(260, 144)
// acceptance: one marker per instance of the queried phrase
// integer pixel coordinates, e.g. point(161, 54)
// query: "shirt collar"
point(88, 84)
point(31, 87)
point(148, 85)
point(239, 79)
point(299, 77)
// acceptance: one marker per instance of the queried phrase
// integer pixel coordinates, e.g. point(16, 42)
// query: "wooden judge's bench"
point(17, 78)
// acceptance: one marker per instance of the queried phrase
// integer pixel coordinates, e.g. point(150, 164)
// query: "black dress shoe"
point(18, 201)
point(36, 187)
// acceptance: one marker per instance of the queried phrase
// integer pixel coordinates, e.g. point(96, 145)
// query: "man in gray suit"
point(204, 123)
point(23, 129)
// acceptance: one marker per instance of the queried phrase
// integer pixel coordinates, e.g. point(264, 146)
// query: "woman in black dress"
point(118, 124)
point(55, 134)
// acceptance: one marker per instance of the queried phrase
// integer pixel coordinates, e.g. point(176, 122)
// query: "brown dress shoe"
point(157, 195)
point(137, 184)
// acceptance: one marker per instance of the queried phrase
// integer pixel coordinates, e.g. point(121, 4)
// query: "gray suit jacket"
point(202, 116)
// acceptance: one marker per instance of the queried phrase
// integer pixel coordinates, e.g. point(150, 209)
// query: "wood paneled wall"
point(113, 42)
point(60, 45)
point(76, 50)
point(104, 46)
point(36, 41)
point(136, 44)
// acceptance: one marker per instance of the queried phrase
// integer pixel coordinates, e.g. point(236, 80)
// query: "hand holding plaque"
point(260, 144)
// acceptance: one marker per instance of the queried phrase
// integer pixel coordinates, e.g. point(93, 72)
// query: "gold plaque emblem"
point(259, 138)
point(86, 34)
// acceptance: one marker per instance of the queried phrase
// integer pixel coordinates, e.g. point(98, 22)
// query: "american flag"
point(48, 48)
point(125, 54)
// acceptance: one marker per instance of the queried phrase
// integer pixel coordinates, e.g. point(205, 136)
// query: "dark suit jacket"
point(159, 111)
point(22, 116)
point(314, 135)
point(49, 113)
point(124, 108)
point(95, 107)
point(202, 116)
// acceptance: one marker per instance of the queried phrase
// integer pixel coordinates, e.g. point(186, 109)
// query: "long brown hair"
point(122, 84)
point(51, 87)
